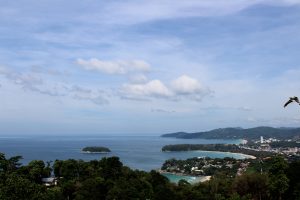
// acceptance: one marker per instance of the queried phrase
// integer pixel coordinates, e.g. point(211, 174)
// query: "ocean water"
point(137, 152)
point(176, 178)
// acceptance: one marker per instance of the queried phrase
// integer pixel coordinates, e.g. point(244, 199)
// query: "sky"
point(147, 67)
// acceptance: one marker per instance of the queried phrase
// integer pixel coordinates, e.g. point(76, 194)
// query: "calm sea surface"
point(138, 152)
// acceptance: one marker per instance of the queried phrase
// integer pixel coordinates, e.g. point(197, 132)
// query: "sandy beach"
point(241, 154)
point(175, 177)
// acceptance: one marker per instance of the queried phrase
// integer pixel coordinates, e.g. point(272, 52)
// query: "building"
point(261, 139)
point(50, 181)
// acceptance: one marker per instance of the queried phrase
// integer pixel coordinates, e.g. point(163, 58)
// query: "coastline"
point(193, 178)
point(246, 156)
point(243, 141)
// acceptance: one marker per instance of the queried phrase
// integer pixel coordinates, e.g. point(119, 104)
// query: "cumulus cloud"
point(184, 87)
point(154, 88)
point(114, 67)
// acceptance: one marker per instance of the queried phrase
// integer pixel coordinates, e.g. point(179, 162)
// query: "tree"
point(92, 188)
point(111, 167)
point(254, 184)
point(278, 179)
point(220, 186)
point(37, 170)
point(293, 174)
point(9, 165)
point(18, 187)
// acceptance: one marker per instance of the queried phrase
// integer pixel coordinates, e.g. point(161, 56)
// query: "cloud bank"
point(35, 82)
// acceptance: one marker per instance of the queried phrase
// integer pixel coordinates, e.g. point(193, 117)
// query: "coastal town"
point(204, 166)
point(285, 147)
point(260, 152)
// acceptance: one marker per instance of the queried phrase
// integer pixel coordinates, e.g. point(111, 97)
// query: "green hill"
point(238, 133)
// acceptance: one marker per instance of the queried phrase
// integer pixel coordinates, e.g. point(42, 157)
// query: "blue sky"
point(147, 67)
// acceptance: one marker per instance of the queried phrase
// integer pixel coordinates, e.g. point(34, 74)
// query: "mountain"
point(238, 133)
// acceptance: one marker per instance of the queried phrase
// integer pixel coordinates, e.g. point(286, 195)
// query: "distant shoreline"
point(246, 156)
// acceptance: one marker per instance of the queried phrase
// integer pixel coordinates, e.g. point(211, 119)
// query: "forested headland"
point(216, 147)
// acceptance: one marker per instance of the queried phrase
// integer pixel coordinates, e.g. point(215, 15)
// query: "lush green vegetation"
point(96, 149)
point(238, 133)
point(215, 147)
point(109, 179)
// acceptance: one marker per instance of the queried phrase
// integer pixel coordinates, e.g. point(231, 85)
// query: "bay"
point(137, 152)
point(175, 178)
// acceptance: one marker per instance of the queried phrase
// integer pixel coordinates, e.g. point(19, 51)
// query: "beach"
point(176, 177)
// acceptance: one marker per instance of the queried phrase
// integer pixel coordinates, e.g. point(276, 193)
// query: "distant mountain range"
point(240, 133)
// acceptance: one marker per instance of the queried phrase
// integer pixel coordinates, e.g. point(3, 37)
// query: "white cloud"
point(114, 67)
point(183, 87)
point(186, 85)
point(154, 88)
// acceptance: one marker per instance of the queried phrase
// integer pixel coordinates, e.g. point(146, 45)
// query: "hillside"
point(238, 133)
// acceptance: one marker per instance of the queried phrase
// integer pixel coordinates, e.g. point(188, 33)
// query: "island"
point(95, 149)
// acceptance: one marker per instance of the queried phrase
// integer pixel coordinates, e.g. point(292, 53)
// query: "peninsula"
point(216, 147)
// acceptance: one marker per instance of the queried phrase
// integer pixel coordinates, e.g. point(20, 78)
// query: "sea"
point(136, 152)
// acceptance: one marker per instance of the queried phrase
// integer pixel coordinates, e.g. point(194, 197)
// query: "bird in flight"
point(292, 99)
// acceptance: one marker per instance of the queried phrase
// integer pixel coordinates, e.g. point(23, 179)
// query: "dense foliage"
point(109, 179)
point(237, 133)
point(96, 149)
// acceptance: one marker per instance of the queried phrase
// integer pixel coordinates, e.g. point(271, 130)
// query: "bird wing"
point(296, 99)
point(288, 102)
